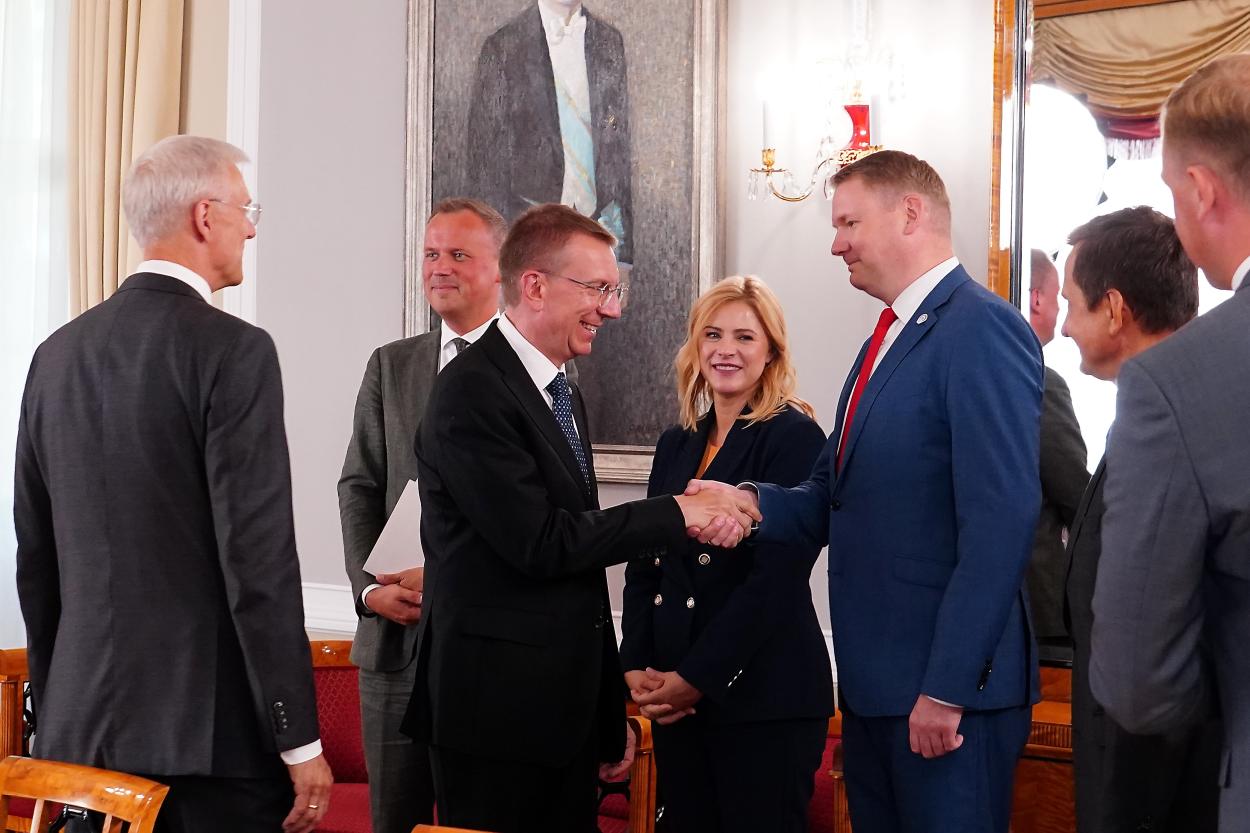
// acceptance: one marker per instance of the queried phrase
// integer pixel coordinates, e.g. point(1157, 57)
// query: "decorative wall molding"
point(243, 131)
point(329, 608)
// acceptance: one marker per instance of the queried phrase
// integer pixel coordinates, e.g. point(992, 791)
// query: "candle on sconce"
point(767, 132)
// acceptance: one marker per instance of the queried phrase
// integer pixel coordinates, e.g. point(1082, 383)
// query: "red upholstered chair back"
point(338, 709)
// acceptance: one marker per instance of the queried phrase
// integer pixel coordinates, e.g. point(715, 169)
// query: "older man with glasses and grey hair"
point(156, 563)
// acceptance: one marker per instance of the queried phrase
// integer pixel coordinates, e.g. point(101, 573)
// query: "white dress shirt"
point(566, 43)
point(182, 273)
point(1240, 274)
point(540, 369)
point(447, 350)
point(307, 752)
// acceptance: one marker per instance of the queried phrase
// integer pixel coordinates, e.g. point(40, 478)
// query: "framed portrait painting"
point(613, 108)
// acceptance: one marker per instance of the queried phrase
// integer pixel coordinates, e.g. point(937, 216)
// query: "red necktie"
point(865, 370)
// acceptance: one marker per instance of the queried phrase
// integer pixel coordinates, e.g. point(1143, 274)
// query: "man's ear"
point(200, 219)
point(1118, 313)
point(1207, 190)
point(913, 210)
point(533, 288)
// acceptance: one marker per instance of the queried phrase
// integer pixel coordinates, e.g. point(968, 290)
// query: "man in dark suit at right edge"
point(1172, 605)
point(1128, 285)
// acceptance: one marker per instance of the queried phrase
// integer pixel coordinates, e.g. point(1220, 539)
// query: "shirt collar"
point(1240, 275)
point(538, 366)
point(910, 299)
point(555, 27)
point(177, 270)
point(447, 333)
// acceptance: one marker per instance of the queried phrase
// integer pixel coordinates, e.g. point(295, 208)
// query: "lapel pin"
point(924, 316)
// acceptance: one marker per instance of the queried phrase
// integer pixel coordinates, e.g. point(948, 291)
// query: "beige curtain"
point(124, 88)
point(1127, 61)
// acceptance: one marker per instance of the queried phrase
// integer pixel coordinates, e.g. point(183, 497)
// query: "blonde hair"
point(1210, 112)
point(776, 387)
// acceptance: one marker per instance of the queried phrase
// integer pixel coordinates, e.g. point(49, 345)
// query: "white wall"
point(330, 175)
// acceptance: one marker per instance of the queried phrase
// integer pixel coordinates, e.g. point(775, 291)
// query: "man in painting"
point(549, 118)
point(1063, 471)
point(460, 277)
point(1128, 285)
point(1172, 605)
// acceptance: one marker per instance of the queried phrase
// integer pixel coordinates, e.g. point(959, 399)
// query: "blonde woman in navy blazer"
point(722, 648)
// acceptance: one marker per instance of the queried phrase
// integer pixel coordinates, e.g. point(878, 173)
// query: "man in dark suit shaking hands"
point(927, 493)
point(156, 562)
point(518, 683)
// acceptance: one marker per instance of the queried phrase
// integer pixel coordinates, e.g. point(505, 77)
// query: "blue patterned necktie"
point(562, 407)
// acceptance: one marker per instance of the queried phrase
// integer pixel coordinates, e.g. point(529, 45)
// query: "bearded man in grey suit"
point(460, 276)
point(156, 562)
point(1172, 600)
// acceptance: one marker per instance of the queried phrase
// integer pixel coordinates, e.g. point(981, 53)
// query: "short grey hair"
point(169, 177)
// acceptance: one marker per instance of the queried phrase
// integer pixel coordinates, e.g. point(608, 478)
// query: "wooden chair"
point(121, 798)
point(13, 678)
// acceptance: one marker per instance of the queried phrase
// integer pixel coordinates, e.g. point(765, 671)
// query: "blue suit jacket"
point(930, 521)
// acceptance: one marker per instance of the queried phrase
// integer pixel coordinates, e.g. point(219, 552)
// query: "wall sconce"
point(845, 140)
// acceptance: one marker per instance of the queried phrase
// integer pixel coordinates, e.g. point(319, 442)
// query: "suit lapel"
point(914, 330)
point(1082, 508)
point(542, 89)
point(518, 381)
point(583, 435)
point(727, 461)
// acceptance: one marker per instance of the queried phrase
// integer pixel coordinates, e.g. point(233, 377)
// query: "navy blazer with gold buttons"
point(738, 624)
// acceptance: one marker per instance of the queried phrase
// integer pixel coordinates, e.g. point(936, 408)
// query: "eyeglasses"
point(251, 210)
point(621, 290)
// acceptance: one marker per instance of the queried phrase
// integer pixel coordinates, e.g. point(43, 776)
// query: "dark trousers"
point(891, 789)
point(516, 797)
point(202, 804)
point(401, 784)
point(743, 777)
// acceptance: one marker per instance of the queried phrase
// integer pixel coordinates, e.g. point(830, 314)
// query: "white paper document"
point(399, 545)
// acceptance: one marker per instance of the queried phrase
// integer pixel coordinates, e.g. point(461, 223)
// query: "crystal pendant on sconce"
point(788, 183)
point(753, 188)
point(829, 187)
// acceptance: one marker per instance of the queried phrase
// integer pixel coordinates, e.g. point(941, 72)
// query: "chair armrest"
point(642, 779)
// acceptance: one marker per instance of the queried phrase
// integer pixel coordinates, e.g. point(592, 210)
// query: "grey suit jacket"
point(156, 562)
point(1064, 478)
point(1172, 604)
point(380, 461)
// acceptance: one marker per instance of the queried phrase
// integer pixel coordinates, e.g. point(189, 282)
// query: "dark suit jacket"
point(751, 641)
point(379, 463)
point(516, 154)
point(156, 556)
point(1064, 478)
point(516, 621)
point(1127, 782)
point(930, 518)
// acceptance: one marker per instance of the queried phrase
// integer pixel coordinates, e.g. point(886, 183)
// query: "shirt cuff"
point(944, 703)
point(748, 486)
point(364, 602)
point(302, 754)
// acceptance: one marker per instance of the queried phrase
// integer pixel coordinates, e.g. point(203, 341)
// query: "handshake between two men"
point(719, 515)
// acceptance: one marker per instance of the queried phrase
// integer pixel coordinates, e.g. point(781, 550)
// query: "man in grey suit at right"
point(460, 276)
point(1172, 601)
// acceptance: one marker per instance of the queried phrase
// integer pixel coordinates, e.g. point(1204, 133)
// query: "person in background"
point(460, 277)
point(1064, 475)
point(1129, 286)
point(1172, 601)
point(723, 648)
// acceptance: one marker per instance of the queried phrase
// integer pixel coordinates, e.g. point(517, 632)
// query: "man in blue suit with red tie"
point(928, 492)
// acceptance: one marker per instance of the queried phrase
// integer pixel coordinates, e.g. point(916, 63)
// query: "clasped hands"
point(662, 696)
point(717, 513)
point(399, 597)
